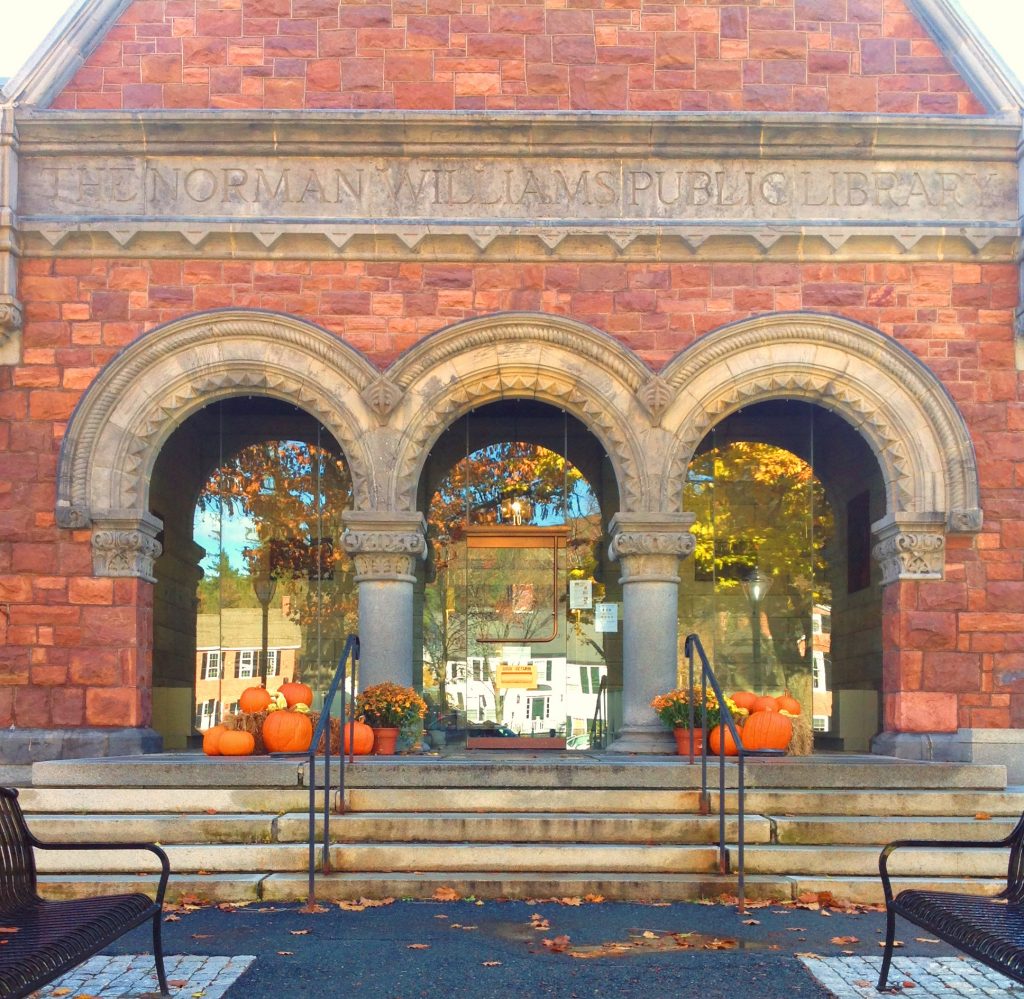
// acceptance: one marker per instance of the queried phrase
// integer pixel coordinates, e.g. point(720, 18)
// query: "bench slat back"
point(1015, 868)
point(17, 861)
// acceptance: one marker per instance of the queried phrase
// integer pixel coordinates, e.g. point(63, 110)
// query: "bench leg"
point(158, 954)
point(890, 936)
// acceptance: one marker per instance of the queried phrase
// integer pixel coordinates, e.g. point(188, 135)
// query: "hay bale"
point(802, 742)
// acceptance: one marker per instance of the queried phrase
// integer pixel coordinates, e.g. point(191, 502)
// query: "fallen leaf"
point(286, 953)
point(863, 983)
point(721, 943)
point(570, 901)
point(593, 899)
point(538, 922)
point(446, 894)
point(808, 955)
point(843, 941)
point(982, 816)
point(211, 811)
point(201, 936)
point(895, 943)
point(418, 946)
point(491, 964)
point(926, 940)
point(908, 984)
point(203, 873)
point(558, 944)
point(9, 929)
point(172, 918)
point(60, 992)
point(440, 916)
point(298, 933)
point(177, 983)
point(751, 922)
point(310, 909)
point(650, 935)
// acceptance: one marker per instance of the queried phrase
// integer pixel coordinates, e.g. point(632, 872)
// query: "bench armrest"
point(931, 844)
point(165, 864)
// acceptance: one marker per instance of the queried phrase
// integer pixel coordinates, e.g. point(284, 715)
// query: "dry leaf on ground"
point(418, 946)
point(446, 894)
point(558, 944)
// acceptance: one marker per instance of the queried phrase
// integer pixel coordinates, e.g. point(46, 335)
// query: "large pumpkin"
point(715, 741)
point(358, 738)
point(254, 699)
point(211, 740)
point(788, 703)
point(287, 732)
point(235, 742)
point(296, 693)
point(767, 730)
point(744, 699)
point(766, 703)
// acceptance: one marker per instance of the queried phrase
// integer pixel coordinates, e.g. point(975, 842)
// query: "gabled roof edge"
point(971, 54)
point(58, 57)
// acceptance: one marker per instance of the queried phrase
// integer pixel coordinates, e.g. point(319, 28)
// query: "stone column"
point(384, 547)
point(649, 546)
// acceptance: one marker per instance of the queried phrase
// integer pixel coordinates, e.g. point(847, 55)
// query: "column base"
point(967, 745)
point(640, 739)
point(30, 745)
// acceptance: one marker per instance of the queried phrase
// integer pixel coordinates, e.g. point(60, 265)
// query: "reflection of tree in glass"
point(762, 506)
point(294, 494)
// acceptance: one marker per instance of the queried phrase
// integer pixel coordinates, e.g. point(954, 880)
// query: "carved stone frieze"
point(910, 549)
point(125, 546)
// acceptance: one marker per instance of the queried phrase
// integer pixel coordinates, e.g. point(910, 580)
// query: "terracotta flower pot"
point(385, 741)
point(688, 741)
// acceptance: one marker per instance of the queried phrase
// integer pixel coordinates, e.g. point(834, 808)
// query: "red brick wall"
point(681, 55)
point(961, 638)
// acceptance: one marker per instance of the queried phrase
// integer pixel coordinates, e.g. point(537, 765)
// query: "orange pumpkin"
point(211, 740)
point(254, 699)
point(287, 732)
point(715, 741)
point(360, 736)
point(296, 693)
point(767, 730)
point(235, 742)
point(744, 699)
point(787, 702)
point(766, 703)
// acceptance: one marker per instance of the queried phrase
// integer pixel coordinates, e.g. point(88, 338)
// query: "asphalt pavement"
point(495, 950)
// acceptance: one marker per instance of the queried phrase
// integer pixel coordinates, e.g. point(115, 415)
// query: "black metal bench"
point(42, 939)
point(988, 928)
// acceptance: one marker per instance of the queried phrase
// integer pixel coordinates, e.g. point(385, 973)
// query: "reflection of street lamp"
point(756, 587)
point(264, 586)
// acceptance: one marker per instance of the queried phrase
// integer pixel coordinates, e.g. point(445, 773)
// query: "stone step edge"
point(256, 888)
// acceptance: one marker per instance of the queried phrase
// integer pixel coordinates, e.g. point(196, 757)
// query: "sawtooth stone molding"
point(909, 548)
point(898, 406)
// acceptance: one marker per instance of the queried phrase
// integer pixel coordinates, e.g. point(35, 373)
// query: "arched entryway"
point(521, 606)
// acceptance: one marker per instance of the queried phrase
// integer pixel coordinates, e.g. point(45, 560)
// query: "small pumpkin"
point(254, 699)
point(766, 703)
point(744, 699)
point(287, 732)
point(715, 741)
point(296, 693)
point(235, 742)
point(359, 735)
point(767, 730)
point(788, 703)
point(211, 740)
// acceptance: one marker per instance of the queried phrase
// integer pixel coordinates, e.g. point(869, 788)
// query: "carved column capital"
point(384, 546)
point(125, 546)
point(910, 546)
point(650, 546)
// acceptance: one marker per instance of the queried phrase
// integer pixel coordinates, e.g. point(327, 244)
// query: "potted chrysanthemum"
point(388, 708)
point(673, 709)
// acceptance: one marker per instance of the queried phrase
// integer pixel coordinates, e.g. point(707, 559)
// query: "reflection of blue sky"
point(211, 529)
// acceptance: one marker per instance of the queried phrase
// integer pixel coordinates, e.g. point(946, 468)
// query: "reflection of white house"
point(821, 651)
point(553, 694)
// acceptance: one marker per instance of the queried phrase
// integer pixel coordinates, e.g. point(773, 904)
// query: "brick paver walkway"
point(932, 977)
point(126, 975)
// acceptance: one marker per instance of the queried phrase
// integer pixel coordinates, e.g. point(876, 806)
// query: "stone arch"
point(897, 404)
point(535, 356)
point(126, 415)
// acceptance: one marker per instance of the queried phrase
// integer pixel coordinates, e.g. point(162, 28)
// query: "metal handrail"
point(599, 725)
point(707, 677)
point(323, 731)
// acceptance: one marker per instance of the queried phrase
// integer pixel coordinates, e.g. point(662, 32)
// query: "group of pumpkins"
point(767, 726)
point(286, 729)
